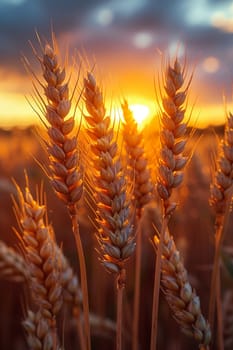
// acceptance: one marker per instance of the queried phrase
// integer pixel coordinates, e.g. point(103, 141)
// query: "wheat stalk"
point(139, 175)
point(115, 234)
point(180, 295)
point(171, 162)
point(63, 150)
point(221, 192)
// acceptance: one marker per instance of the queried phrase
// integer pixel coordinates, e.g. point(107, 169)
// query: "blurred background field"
point(192, 227)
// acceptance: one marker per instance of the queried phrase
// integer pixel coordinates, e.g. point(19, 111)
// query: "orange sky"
point(134, 79)
point(126, 38)
point(129, 81)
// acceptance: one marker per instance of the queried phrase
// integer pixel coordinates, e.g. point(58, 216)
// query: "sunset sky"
point(125, 38)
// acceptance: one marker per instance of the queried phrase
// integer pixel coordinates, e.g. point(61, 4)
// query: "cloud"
point(122, 30)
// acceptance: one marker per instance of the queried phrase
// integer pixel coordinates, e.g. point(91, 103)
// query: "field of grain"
point(115, 231)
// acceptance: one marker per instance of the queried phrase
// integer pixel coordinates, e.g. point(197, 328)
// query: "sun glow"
point(140, 112)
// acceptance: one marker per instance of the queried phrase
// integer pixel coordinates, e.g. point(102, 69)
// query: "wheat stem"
point(227, 319)
point(63, 149)
point(219, 312)
point(157, 276)
point(137, 285)
point(83, 274)
point(121, 278)
point(220, 198)
point(171, 163)
point(215, 275)
point(80, 333)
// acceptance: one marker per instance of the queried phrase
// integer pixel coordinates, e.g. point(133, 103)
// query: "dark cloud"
point(164, 18)
point(18, 23)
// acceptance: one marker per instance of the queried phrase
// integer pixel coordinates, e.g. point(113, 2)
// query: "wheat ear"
point(41, 257)
point(180, 295)
point(12, 265)
point(172, 135)
point(139, 175)
point(115, 233)
point(62, 145)
point(170, 163)
point(221, 192)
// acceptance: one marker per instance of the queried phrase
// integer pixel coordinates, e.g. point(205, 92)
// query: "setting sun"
point(140, 112)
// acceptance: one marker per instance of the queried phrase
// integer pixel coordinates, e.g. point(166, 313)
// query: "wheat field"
point(114, 237)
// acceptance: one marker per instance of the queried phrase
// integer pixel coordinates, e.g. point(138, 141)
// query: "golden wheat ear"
point(173, 133)
point(40, 253)
point(42, 260)
point(181, 297)
point(48, 273)
point(14, 266)
point(115, 233)
point(54, 106)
